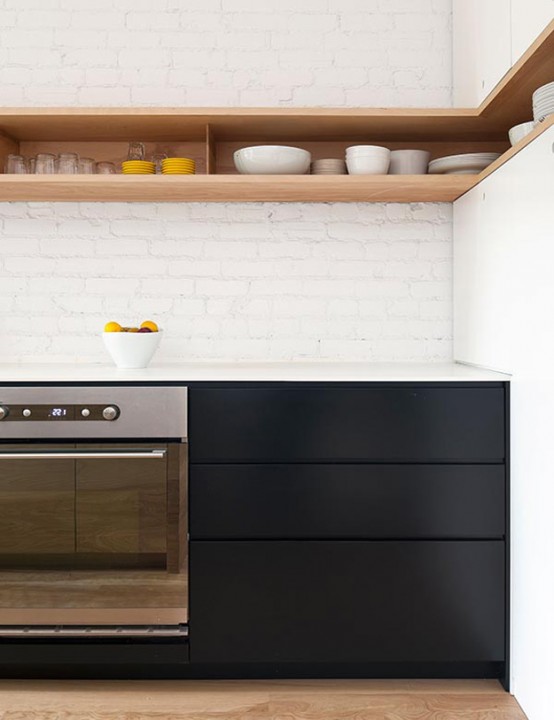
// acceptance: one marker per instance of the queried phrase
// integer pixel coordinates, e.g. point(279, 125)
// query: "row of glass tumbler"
point(64, 164)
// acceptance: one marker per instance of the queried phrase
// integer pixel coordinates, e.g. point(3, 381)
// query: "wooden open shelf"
point(210, 136)
point(237, 188)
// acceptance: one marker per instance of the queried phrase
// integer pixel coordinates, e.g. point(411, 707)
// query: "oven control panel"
point(59, 413)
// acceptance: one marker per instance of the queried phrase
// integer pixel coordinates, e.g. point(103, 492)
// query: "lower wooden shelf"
point(235, 188)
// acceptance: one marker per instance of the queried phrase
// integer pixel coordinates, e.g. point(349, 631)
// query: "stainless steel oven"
point(93, 511)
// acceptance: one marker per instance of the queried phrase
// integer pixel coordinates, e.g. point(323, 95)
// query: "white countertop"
point(300, 371)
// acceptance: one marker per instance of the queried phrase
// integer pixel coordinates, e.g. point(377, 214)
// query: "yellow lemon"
point(149, 325)
point(112, 327)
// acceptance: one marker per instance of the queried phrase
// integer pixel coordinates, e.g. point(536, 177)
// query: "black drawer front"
point(347, 501)
point(323, 423)
point(347, 601)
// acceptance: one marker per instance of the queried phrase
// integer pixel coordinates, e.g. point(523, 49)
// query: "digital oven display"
point(58, 413)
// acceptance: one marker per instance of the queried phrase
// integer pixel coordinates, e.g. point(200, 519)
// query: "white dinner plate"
point(466, 164)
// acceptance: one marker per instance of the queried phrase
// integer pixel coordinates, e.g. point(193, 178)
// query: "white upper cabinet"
point(529, 19)
point(482, 48)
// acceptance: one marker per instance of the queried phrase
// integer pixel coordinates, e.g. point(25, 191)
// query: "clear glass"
point(45, 164)
point(31, 165)
point(68, 163)
point(157, 159)
point(87, 166)
point(136, 151)
point(105, 168)
point(15, 164)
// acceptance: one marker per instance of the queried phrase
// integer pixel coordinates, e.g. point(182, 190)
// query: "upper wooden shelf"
point(211, 134)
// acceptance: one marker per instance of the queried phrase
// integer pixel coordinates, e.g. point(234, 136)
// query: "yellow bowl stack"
point(138, 167)
point(178, 166)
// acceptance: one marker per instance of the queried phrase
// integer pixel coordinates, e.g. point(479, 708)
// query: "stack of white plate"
point(543, 102)
point(328, 166)
point(466, 164)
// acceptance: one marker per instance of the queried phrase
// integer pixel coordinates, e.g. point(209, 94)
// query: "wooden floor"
point(257, 700)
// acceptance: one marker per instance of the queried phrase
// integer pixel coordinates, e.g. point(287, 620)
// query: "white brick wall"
point(256, 281)
point(237, 281)
point(225, 52)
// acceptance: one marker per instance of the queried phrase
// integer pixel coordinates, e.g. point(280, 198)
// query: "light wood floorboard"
point(257, 700)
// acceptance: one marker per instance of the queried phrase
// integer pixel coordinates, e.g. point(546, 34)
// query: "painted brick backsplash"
point(227, 281)
point(257, 281)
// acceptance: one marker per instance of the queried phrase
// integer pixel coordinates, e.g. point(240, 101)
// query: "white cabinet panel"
point(504, 318)
point(504, 262)
point(482, 51)
point(529, 19)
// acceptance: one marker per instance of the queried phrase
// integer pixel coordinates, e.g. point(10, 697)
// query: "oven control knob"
point(110, 413)
point(85, 412)
point(4, 412)
point(26, 413)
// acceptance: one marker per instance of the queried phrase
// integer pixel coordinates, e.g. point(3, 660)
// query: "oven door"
point(93, 538)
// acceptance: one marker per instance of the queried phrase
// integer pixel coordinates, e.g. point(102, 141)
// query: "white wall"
point(504, 309)
point(227, 281)
point(256, 281)
point(225, 52)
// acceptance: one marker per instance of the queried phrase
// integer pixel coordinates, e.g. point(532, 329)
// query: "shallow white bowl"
point(272, 160)
point(518, 132)
point(409, 162)
point(131, 350)
point(371, 163)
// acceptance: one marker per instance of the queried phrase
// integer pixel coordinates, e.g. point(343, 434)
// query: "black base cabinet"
point(347, 602)
point(349, 529)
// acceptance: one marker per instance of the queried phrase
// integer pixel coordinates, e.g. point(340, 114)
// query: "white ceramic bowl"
point(272, 160)
point(131, 350)
point(371, 160)
point(409, 162)
point(518, 132)
point(363, 150)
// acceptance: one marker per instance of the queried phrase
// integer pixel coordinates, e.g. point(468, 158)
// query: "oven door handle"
point(85, 455)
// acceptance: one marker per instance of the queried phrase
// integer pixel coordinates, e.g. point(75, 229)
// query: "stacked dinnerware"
point(328, 166)
point(465, 164)
point(138, 167)
point(367, 160)
point(178, 166)
point(543, 102)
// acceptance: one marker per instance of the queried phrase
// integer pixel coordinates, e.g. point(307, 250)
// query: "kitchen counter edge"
point(250, 372)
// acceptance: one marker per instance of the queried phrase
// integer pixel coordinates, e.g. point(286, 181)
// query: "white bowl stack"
point(367, 160)
point(543, 102)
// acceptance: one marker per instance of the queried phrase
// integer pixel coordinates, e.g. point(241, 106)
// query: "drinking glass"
point(105, 168)
point(68, 163)
point(32, 164)
point(157, 159)
point(15, 164)
point(45, 164)
point(136, 151)
point(87, 166)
